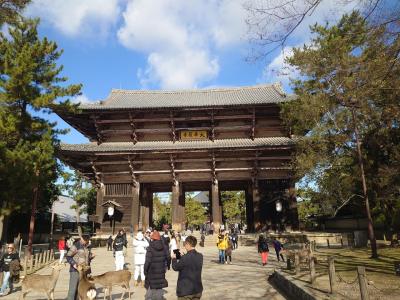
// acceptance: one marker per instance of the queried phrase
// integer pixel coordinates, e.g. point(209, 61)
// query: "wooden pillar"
point(294, 216)
point(249, 208)
point(99, 201)
point(135, 206)
point(216, 210)
point(182, 213)
point(175, 207)
point(256, 205)
point(145, 208)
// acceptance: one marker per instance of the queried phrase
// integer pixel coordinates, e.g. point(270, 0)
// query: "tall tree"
point(348, 88)
point(233, 206)
point(10, 10)
point(30, 88)
point(271, 24)
point(195, 212)
point(161, 212)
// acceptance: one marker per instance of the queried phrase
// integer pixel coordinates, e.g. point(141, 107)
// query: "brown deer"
point(109, 279)
point(41, 283)
point(86, 288)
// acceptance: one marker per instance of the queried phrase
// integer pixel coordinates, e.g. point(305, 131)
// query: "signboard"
point(93, 218)
point(190, 135)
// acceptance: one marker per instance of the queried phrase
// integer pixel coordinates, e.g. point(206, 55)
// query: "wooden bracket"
point(173, 173)
point(172, 125)
point(96, 174)
point(214, 169)
point(254, 172)
point(132, 171)
point(98, 130)
point(212, 126)
point(253, 124)
point(134, 136)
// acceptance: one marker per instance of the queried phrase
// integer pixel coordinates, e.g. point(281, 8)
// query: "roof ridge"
point(275, 85)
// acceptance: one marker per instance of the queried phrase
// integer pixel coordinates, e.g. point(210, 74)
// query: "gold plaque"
point(190, 135)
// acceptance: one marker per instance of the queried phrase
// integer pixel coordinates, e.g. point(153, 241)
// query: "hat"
point(155, 235)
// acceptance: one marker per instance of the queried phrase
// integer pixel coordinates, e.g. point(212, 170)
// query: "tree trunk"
point(371, 233)
point(35, 197)
point(1, 226)
point(78, 218)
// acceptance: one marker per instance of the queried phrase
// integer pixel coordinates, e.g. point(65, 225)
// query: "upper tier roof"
point(142, 99)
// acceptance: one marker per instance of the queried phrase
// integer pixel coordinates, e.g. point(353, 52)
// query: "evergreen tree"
point(30, 88)
point(347, 93)
point(194, 211)
point(10, 9)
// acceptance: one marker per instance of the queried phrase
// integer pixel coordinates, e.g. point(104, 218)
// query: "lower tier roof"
point(179, 145)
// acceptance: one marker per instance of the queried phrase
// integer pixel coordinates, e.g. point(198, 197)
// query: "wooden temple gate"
point(178, 141)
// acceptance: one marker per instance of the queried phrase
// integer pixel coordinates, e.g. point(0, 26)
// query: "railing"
point(37, 261)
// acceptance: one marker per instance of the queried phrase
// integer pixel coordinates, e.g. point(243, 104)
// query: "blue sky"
point(159, 44)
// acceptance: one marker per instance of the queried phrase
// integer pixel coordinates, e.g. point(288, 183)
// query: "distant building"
point(65, 215)
point(204, 199)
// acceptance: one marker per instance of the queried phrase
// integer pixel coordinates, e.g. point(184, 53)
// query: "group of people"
point(226, 243)
point(263, 249)
point(153, 256)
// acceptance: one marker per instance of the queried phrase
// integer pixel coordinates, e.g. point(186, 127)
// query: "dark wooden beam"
point(176, 119)
point(206, 170)
point(189, 160)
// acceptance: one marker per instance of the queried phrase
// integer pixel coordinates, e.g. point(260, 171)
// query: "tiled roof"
point(169, 145)
point(141, 99)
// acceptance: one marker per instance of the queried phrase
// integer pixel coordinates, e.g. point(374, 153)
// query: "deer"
point(109, 279)
point(86, 288)
point(41, 283)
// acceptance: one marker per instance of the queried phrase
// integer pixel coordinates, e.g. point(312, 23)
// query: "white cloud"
point(82, 99)
point(278, 71)
point(181, 38)
point(89, 18)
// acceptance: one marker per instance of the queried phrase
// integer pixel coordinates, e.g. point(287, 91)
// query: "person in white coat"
point(173, 244)
point(140, 245)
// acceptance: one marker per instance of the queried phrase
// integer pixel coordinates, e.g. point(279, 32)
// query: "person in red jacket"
point(62, 248)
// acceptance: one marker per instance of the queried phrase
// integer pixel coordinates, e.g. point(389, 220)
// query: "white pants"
point(139, 269)
point(62, 254)
point(119, 260)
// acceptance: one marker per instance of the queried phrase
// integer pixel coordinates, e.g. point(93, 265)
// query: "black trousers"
point(278, 253)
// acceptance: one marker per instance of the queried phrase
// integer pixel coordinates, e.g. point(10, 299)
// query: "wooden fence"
point(308, 256)
point(37, 261)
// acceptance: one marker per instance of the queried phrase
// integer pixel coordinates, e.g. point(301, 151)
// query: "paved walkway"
point(245, 278)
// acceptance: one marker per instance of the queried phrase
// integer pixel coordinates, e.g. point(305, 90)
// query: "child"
point(228, 250)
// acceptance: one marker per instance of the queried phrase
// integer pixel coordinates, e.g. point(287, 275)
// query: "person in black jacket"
point(5, 263)
point(157, 257)
point(189, 266)
point(119, 244)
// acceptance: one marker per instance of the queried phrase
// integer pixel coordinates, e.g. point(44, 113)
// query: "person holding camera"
point(189, 266)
